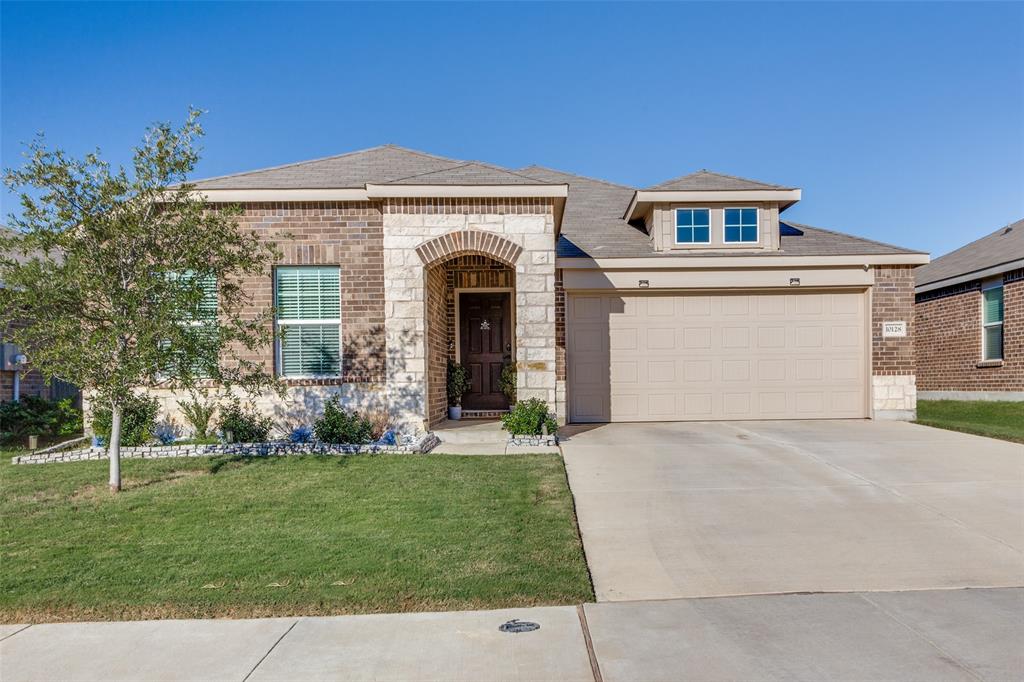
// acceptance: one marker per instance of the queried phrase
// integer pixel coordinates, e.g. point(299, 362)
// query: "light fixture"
point(645, 283)
point(794, 281)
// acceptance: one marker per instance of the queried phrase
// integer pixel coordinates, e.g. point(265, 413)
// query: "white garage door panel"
point(722, 356)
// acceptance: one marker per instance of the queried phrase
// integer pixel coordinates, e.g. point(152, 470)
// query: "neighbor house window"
point(740, 225)
point(992, 322)
point(693, 226)
point(308, 321)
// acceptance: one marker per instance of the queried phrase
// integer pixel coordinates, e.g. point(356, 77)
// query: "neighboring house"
point(970, 320)
point(689, 300)
point(18, 379)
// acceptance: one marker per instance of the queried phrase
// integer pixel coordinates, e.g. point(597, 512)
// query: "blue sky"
point(901, 122)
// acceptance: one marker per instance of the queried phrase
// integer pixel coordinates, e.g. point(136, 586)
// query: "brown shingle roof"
point(592, 224)
point(1002, 247)
point(382, 164)
point(705, 180)
point(470, 173)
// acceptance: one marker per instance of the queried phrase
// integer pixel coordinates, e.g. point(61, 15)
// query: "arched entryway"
point(470, 317)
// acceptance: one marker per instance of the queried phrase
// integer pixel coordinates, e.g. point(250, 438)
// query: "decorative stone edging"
point(534, 441)
point(420, 444)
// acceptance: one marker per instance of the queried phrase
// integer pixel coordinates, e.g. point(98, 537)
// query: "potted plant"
point(508, 382)
point(458, 384)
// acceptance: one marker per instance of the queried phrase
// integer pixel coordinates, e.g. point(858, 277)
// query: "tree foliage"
point(112, 269)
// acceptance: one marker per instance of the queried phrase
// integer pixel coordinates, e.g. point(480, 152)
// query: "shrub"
point(138, 421)
point(339, 425)
point(301, 434)
point(198, 413)
point(528, 418)
point(508, 382)
point(244, 425)
point(380, 423)
point(36, 416)
point(458, 382)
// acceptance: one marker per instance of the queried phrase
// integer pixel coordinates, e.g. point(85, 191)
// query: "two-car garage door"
point(663, 357)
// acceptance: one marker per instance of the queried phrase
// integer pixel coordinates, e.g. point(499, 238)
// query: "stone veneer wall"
point(948, 339)
point(409, 223)
point(893, 383)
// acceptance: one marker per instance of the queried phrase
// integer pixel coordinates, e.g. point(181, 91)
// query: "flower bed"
point(419, 443)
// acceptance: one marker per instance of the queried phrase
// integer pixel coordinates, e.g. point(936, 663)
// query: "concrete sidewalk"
point(927, 635)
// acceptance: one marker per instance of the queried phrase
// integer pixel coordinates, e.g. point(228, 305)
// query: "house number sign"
point(894, 329)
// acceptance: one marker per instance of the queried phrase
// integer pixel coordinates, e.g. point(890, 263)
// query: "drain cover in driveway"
point(516, 625)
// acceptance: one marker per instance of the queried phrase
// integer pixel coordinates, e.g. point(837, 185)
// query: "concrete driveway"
point(672, 510)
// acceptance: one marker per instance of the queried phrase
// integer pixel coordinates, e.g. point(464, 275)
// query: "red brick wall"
point(892, 299)
point(30, 383)
point(949, 339)
point(437, 344)
point(347, 234)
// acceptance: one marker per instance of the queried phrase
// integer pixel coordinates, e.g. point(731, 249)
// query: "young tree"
point(128, 278)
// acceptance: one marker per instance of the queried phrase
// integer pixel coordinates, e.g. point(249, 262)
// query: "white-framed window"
point(741, 225)
point(307, 302)
point(203, 322)
point(693, 226)
point(992, 321)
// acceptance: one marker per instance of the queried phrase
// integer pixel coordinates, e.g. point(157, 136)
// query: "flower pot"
point(455, 412)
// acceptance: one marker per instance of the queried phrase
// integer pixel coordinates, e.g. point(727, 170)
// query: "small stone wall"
point(420, 444)
point(533, 441)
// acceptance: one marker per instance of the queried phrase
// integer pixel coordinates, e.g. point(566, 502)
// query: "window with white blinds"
point(307, 300)
point(992, 322)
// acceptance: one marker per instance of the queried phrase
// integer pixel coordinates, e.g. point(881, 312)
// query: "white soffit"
point(465, 191)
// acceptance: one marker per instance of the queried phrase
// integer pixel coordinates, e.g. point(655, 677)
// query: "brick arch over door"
point(469, 242)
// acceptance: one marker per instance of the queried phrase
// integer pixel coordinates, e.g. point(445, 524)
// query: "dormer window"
point(693, 226)
point(741, 225)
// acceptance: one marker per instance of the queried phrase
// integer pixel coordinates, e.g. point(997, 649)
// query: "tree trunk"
point(114, 448)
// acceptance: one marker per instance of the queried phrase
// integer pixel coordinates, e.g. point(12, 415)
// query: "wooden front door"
point(485, 339)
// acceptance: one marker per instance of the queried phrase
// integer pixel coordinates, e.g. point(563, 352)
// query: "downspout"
point(17, 385)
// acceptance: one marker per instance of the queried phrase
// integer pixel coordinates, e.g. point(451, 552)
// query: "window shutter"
point(992, 305)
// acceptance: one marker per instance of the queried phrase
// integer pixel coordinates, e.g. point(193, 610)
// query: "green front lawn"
point(1003, 420)
point(211, 537)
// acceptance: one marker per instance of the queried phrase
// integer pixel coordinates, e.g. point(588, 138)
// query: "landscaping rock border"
point(533, 441)
point(416, 445)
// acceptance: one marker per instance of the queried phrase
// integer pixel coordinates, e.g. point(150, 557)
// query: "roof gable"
point(705, 180)
point(470, 173)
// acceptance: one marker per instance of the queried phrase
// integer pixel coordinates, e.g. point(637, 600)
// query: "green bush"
point(508, 381)
point(244, 425)
point(36, 416)
point(458, 382)
point(198, 413)
point(138, 420)
point(339, 425)
point(528, 418)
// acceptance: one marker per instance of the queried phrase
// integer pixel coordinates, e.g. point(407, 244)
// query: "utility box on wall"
point(11, 357)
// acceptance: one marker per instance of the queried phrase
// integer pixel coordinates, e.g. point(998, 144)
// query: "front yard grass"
point(1004, 420)
point(232, 537)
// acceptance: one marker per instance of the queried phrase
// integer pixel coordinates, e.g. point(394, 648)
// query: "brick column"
point(893, 383)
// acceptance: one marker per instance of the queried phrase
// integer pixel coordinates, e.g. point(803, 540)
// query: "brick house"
point(22, 379)
point(969, 306)
point(689, 300)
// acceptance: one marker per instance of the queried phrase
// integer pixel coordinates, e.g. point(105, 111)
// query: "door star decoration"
point(485, 325)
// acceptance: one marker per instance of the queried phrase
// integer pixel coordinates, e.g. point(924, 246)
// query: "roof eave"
point(744, 261)
point(644, 197)
point(953, 280)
